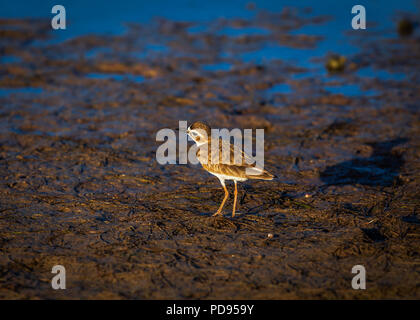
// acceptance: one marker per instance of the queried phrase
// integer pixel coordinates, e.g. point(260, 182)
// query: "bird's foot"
point(217, 213)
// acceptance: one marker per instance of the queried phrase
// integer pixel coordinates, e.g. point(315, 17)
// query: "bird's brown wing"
point(225, 162)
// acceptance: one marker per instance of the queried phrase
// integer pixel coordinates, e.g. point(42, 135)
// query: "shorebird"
point(222, 167)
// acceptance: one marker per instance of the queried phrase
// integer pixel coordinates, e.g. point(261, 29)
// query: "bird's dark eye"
point(194, 133)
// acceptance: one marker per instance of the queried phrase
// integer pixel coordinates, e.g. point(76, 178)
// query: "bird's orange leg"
point(234, 201)
point(224, 200)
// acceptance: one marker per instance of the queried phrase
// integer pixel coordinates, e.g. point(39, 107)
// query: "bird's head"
point(199, 132)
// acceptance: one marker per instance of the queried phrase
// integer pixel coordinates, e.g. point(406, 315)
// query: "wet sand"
point(80, 185)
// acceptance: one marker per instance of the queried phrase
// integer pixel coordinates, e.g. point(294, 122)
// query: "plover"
point(222, 168)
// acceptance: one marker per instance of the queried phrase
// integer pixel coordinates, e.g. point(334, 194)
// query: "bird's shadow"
point(380, 169)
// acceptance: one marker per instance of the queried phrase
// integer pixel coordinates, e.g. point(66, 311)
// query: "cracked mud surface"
point(80, 185)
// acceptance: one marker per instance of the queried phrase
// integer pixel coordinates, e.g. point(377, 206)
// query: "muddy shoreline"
point(80, 185)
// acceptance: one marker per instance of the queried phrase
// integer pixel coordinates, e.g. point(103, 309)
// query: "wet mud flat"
point(80, 185)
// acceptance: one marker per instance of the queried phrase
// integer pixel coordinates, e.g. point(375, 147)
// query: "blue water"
point(281, 88)
point(109, 17)
point(223, 66)
point(237, 32)
point(115, 76)
point(381, 74)
point(19, 91)
point(9, 59)
point(350, 90)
